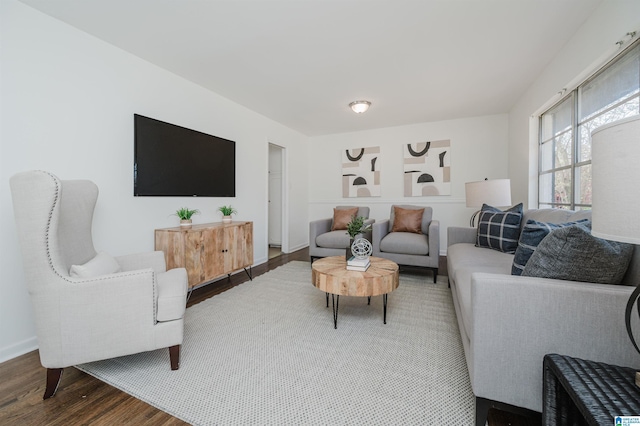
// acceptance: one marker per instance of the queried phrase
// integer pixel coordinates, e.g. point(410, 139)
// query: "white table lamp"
point(496, 193)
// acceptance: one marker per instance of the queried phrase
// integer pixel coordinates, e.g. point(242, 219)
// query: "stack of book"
point(355, 264)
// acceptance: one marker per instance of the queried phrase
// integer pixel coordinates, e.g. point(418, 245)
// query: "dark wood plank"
point(82, 399)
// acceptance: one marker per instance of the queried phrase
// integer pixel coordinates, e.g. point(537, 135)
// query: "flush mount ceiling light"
point(360, 106)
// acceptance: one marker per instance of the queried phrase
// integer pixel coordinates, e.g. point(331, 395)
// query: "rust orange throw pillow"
point(341, 217)
point(407, 220)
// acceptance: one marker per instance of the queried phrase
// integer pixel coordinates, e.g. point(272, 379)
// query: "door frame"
point(284, 238)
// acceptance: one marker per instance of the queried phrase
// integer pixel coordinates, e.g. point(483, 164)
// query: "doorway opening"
point(276, 210)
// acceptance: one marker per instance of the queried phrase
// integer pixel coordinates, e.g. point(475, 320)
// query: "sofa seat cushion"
point(172, 294)
point(466, 259)
point(334, 239)
point(405, 243)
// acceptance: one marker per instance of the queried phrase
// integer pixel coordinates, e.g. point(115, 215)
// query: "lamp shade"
point(496, 193)
point(615, 158)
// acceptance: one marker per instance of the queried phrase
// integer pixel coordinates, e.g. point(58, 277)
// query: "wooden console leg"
point(53, 380)
point(174, 356)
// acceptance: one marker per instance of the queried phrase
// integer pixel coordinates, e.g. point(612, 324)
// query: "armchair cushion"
point(573, 254)
point(405, 243)
point(341, 217)
point(333, 239)
point(407, 220)
point(499, 230)
point(101, 264)
point(172, 294)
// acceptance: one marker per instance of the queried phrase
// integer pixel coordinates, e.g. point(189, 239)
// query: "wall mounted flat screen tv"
point(170, 160)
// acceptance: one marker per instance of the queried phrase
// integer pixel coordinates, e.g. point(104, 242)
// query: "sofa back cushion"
point(555, 215)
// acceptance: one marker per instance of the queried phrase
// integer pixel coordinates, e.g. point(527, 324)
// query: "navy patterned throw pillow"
point(499, 230)
point(532, 233)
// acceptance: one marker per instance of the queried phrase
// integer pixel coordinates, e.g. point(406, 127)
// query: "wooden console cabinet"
point(207, 250)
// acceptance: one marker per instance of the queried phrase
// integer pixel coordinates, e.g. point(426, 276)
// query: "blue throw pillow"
point(532, 233)
point(499, 230)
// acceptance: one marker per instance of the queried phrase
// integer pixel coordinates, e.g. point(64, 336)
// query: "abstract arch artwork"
point(360, 174)
point(427, 168)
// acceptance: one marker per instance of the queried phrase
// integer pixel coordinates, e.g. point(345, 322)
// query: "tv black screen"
point(170, 160)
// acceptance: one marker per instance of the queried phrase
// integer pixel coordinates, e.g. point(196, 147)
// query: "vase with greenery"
point(356, 226)
point(185, 214)
point(227, 211)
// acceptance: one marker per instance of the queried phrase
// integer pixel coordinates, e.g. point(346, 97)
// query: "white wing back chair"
point(89, 306)
point(409, 240)
point(326, 241)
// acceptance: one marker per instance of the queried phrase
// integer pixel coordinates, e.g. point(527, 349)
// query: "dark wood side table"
point(579, 392)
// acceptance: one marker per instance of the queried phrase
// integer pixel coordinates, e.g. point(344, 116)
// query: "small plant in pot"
point(355, 227)
point(227, 211)
point(185, 215)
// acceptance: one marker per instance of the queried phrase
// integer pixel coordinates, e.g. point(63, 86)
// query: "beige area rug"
point(266, 353)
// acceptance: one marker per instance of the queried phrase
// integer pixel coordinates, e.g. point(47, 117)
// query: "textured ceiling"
point(300, 62)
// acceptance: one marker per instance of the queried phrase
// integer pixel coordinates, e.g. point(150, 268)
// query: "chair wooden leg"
point(53, 380)
point(174, 356)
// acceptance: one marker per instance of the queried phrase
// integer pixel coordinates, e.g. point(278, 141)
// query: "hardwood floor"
point(82, 399)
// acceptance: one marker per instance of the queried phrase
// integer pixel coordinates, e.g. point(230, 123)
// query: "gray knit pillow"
point(532, 233)
point(572, 253)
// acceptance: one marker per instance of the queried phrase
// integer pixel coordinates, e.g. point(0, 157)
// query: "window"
point(564, 171)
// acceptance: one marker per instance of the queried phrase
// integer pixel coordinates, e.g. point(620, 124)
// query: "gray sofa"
point(508, 323)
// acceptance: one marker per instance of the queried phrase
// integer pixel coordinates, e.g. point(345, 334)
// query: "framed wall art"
point(427, 168)
point(361, 172)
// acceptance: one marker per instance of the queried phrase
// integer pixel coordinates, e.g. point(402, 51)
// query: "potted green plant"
point(185, 214)
point(356, 226)
point(227, 211)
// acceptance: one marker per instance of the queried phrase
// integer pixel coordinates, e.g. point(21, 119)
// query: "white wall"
point(67, 106)
point(478, 151)
point(587, 50)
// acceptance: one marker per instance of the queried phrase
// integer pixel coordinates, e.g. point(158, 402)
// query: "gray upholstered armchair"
point(326, 241)
point(409, 238)
point(89, 306)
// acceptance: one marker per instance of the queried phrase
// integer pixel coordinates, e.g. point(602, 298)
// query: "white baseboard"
point(18, 349)
point(298, 247)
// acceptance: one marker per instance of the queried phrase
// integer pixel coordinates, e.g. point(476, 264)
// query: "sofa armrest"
point(133, 262)
point(368, 235)
point(78, 317)
point(517, 320)
point(317, 227)
point(378, 231)
point(457, 234)
point(434, 238)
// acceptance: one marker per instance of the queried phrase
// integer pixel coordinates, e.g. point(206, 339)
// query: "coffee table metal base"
point(335, 300)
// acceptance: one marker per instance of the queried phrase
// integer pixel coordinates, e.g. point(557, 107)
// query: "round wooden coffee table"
point(330, 275)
